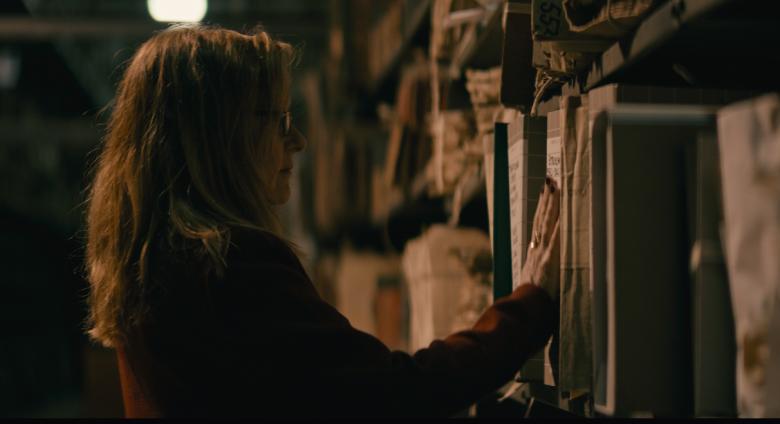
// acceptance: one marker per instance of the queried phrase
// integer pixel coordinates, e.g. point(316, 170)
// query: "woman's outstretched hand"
point(542, 264)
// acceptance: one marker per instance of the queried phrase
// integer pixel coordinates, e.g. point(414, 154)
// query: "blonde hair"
point(181, 161)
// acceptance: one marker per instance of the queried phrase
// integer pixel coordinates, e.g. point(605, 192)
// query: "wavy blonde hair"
point(181, 161)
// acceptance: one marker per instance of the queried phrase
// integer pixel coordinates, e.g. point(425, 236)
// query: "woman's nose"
point(297, 141)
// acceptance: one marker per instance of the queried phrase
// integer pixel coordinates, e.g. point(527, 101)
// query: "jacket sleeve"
point(302, 348)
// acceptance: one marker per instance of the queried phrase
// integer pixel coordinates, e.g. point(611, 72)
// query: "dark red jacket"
point(261, 342)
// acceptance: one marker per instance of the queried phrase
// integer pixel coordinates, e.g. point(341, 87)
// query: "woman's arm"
point(300, 344)
point(353, 372)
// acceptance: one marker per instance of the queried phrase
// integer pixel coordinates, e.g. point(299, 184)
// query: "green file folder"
point(502, 248)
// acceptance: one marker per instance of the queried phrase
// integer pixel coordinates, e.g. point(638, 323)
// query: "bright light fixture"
point(177, 10)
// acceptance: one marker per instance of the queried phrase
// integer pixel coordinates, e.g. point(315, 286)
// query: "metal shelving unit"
point(701, 43)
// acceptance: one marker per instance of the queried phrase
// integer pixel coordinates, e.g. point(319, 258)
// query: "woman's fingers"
point(540, 207)
point(552, 263)
point(539, 214)
point(552, 210)
point(546, 215)
point(555, 241)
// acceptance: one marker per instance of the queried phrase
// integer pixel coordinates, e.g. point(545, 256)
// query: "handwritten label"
point(549, 18)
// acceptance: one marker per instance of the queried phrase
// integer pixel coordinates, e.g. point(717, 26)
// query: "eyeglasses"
point(285, 123)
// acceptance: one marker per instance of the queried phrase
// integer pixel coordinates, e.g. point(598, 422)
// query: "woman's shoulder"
point(262, 257)
point(252, 246)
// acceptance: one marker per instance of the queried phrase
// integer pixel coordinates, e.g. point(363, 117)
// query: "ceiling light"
point(177, 10)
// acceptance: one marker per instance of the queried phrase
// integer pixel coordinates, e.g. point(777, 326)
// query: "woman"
point(206, 304)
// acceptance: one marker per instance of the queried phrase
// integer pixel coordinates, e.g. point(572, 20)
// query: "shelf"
point(701, 43)
point(483, 50)
point(407, 216)
point(415, 17)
